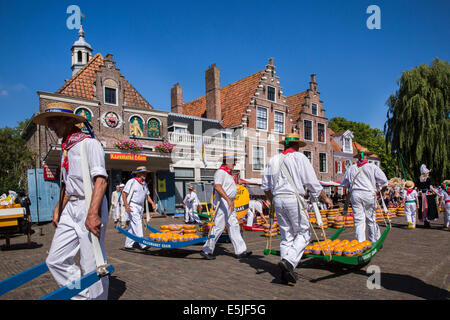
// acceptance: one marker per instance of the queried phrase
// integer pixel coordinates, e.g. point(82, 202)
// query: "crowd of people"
point(288, 180)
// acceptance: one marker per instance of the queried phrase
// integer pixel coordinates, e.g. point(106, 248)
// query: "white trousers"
point(135, 227)
point(190, 216)
point(447, 215)
point(364, 207)
point(410, 213)
point(291, 220)
point(123, 214)
point(70, 237)
point(250, 217)
point(223, 217)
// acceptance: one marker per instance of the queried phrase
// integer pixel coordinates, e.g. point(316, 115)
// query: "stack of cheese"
point(275, 229)
point(348, 221)
point(400, 211)
point(338, 247)
point(175, 233)
point(338, 221)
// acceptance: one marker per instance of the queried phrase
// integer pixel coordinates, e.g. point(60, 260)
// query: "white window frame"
point(326, 162)
point(267, 119)
point(284, 121)
point(349, 149)
point(274, 95)
point(339, 167)
point(317, 109)
point(312, 130)
point(346, 164)
point(324, 133)
point(312, 156)
point(104, 96)
point(253, 158)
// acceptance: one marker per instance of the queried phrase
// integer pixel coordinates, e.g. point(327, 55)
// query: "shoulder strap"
point(282, 158)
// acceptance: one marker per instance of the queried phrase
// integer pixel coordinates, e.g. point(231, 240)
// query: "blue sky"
point(157, 44)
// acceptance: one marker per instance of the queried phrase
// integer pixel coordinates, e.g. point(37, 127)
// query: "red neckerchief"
point(361, 163)
point(408, 191)
point(224, 168)
point(289, 150)
point(141, 181)
point(72, 139)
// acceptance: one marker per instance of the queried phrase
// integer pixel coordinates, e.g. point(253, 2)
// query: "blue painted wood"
point(75, 287)
point(168, 197)
point(163, 245)
point(19, 279)
point(44, 198)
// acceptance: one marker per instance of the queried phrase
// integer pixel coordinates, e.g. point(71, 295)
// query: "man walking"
point(76, 221)
point(134, 196)
point(361, 180)
point(224, 194)
point(190, 204)
point(286, 180)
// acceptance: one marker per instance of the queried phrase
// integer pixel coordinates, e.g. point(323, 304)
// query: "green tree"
point(417, 126)
point(15, 159)
point(371, 138)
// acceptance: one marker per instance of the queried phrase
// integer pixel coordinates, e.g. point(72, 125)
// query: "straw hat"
point(409, 184)
point(191, 188)
point(292, 138)
point(121, 185)
point(446, 182)
point(229, 158)
point(57, 109)
point(141, 169)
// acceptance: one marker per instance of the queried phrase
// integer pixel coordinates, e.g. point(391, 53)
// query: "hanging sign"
point(162, 185)
point(127, 156)
point(241, 201)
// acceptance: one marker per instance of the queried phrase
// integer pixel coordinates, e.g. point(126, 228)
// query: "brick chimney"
point(176, 98)
point(313, 83)
point(212, 83)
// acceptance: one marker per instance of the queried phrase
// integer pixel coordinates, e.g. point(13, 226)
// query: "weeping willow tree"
point(417, 126)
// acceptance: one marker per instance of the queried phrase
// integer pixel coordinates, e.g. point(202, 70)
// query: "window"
point(80, 56)
point(110, 95)
point(339, 167)
point(308, 154)
point(308, 130)
point(279, 122)
point(270, 93)
point(348, 163)
point(320, 132)
point(323, 162)
point(261, 118)
point(314, 109)
point(258, 158)
point(226, 135)
point(347, 147)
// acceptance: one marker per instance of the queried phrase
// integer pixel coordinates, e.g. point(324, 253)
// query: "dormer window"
point(110, 92)
point(270, 93)
point(314, 109)
point(110, 95)
point(347, 144)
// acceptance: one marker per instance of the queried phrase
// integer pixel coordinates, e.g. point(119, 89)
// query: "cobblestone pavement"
point(414, 264)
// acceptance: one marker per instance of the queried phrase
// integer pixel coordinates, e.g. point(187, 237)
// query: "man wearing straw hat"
point(286, 180)
point(224, 194)
point(134, 196)
point(361, 181)
point(411, 199)
point(190, 203)
point(75, 221)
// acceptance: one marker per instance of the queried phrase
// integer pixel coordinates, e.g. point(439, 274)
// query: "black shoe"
point(144, 249)
point(287, 270)
point(128, 249)
point(426, 224)
point(207, 255)
point(244, 254)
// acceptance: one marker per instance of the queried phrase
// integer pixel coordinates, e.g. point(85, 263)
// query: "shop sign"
point(127, 156)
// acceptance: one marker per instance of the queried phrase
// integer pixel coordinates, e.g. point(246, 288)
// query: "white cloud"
point(3, 92)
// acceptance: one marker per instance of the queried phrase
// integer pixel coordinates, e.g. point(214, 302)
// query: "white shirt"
point(412, 196)
point(255, 206)
point(191, 200)
point(140, 192)
point(373, 173)
point(444, 194)
point(301, 171)
point(96, 160)
point(229, 186)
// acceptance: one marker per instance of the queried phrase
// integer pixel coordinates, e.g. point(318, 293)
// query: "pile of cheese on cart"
point(8, 201)
point(175, 233)
point(338, 247)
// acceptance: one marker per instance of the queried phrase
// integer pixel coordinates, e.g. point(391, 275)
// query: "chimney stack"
point(212, 83)
point(176, 98)
point(313, 84)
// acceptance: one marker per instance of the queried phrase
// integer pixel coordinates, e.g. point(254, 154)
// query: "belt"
point(284, 195)
point(75, 198)
point(411, 201)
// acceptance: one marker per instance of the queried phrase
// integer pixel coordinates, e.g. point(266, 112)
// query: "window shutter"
point(343, 166)
point(336, 166)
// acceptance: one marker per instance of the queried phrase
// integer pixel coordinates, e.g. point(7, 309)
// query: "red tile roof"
point(81, 85)
point(335, 146)
point(295, 103)
point(234, 99)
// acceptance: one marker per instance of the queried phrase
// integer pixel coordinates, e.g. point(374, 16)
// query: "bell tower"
point(81, 51)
